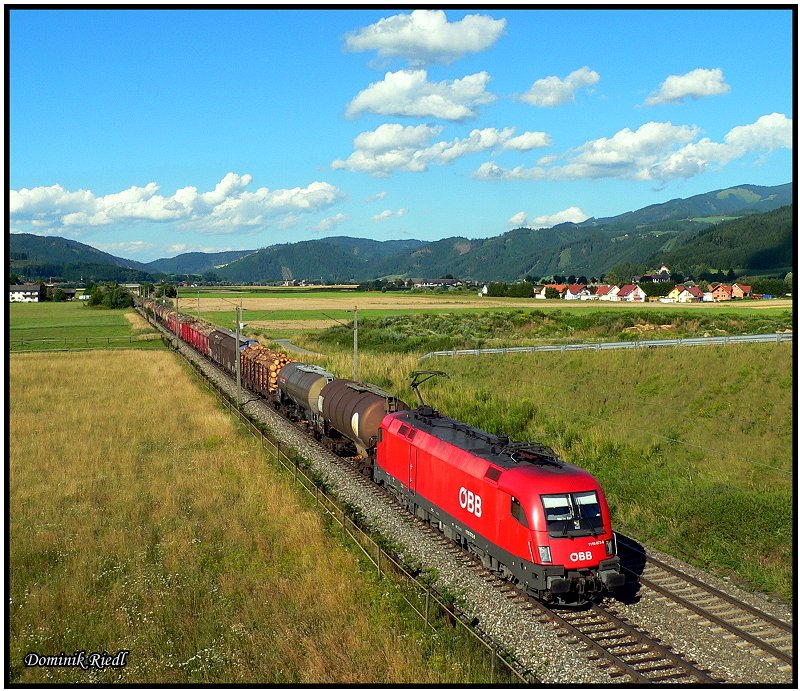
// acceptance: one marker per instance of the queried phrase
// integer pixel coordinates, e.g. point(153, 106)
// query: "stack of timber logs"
point(260, 367)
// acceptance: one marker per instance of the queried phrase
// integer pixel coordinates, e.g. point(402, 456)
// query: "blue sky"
point(147, 133)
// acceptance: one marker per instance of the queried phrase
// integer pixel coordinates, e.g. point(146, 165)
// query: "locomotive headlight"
point(611, 545)
point(544, 555)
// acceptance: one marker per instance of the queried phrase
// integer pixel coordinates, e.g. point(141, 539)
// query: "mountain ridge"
point(591, 247)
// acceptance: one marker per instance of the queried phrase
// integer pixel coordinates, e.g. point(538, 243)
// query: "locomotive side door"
point(412, 469)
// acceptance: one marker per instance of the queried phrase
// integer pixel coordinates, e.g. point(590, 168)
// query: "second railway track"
point(755, 628)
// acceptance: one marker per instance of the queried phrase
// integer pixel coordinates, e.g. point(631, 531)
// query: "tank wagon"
point(299, 387)
point(530, 516)
point(355, 411)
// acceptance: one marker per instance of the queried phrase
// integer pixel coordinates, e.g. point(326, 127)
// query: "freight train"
point(529, 516)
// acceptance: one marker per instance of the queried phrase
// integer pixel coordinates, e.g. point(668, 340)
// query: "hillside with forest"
point(751, 243)
point(744, 228)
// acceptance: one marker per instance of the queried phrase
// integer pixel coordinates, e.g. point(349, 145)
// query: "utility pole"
point(238, 355)
point(355, 343)
point(176, 319)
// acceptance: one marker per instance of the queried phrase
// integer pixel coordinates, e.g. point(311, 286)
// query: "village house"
point(721, 293)
point(559, 287)
point(661, 276)
point(438, 283)
point(576, 291)
point(29, 292)
point(606, 292)
point(675, 292)
point(690, 294)
point(739, 291)
point(631, 293)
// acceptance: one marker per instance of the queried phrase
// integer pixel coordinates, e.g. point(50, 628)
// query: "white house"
point(31, 292)
point(690, 294)
point(605, 292)
point(631, 293)
point(576, 291)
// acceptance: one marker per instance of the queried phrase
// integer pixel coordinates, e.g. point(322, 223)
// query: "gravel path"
point(552, 660)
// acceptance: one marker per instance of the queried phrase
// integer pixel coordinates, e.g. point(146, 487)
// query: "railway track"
point(626, 652)
point(756, 629)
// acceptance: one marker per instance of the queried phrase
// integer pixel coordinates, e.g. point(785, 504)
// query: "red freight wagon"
point(196, 333)
point(526, 513)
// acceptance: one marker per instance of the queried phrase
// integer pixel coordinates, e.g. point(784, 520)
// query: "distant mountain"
point(733, 201)
point(36, 249)
point(335, 259)
point(677, 232)
point(35, 257)
point(196, 262)
point(756, 242)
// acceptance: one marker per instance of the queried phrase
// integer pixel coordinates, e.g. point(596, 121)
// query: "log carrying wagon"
point(260, 368)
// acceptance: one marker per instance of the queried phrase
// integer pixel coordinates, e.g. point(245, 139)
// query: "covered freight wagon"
point(222, 348)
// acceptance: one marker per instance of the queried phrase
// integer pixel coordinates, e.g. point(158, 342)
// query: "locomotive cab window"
point(572, 515)
point(517, 512)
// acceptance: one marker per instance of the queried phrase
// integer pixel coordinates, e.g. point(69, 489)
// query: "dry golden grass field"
point(143, 519)
point(440, 302)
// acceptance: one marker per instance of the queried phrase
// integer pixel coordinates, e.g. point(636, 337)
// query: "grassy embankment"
point(693, 446)
point(141, 518)
point(74, 325)
point(422, 333)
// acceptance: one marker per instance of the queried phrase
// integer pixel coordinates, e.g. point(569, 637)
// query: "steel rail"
point(628, 658)
point(717, 620)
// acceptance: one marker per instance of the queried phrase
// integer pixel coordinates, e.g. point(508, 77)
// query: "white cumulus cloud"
point(571, 215)
point(426, 36)
point(695, 84)
point(392, 147)
point(226, 208)
point(330, 222)
point(553, 91)
point(409, 93)
point(383, 215)
point(655, 151)
point(518, 220)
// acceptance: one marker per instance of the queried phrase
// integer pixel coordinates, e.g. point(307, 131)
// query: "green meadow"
point(73, 325)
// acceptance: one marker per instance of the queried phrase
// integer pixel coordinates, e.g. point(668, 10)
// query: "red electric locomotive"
point(528, 515)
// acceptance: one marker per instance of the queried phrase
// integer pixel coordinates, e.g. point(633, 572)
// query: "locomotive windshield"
point(572, 515)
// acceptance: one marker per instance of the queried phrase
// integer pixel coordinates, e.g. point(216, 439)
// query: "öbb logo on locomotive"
point(580, 556)
point(469, 501)
point(529, 516)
